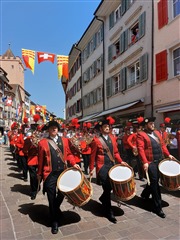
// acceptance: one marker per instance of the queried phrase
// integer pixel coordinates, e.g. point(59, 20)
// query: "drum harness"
point(119, 203)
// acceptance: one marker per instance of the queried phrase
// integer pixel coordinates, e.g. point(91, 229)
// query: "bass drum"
point(170, 174)
point(122, 182)
point(75, 186)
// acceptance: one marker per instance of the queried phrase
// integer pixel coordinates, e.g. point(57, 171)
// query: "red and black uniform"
point(30, 149)
point(50, 166)
point(151, 149)
point(103, 164)
point(21, 156)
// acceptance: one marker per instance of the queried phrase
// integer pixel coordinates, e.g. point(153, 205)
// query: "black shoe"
point(160, 213)
point(33, 196)
point(141, 179)
point(25, 179)
point(54, 228)
point(110, 216)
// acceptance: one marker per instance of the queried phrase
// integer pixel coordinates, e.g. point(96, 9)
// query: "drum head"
point(169, 168)
point(69, 180)
point(120, 173)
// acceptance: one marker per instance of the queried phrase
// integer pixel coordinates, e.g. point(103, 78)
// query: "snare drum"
point(122, 182)
point(170, 174)
point(75, 186)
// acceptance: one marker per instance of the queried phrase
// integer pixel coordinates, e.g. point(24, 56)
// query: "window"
point(176, 61)
point(99, 94)
point(176, 7)
point(134, 33)
point(117, 14)
point(134, 74)
point(116, 84)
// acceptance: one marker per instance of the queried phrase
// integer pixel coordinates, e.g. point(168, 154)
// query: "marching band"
point(60, 161)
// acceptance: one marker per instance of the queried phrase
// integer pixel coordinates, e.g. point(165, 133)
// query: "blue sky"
point(47, 26)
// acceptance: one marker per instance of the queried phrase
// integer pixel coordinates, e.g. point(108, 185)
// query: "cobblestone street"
point(22, 218)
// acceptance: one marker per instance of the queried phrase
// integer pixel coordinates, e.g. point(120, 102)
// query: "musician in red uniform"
point(100, 147)
point(164, 134)
point(22, 158)
point(151, 149)
point(53, 152)
point(30, 149)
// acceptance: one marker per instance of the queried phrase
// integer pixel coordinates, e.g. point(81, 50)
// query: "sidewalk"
point(24, 219)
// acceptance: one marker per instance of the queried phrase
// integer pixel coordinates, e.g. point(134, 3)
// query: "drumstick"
point(147, 176)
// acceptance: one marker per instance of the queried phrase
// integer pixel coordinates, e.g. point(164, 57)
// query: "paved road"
point(24, 219)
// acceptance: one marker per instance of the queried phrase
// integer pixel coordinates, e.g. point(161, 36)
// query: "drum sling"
point(58, 150)
point(107, 149)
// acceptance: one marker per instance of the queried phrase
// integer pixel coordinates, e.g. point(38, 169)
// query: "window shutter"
point(102, 62)
point(161, 66)
point(88, 74)
point(122, 42)
point(109, 87)
point(95, 96)
point(126, 40)
point(110, 53)
point(142, 24)
point(95, 68)
point(123, 7)
point(111, 20)
point(162, 13)
point(102, 32)
point(143, 63)
point(123, 79)
point(94, 41)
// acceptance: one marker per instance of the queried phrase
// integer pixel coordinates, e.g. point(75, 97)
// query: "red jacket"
point(19, 144)
point(31, 151)
point(145, 147)
point(44, 157)
point(132, 140)
point(97, 153)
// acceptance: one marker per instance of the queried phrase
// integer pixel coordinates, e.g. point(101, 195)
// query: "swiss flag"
point(38, 108)
point(42, 56)
point(9, 102)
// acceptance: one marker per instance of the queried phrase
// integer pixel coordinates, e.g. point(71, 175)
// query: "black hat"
point(101, 123)
point(50, 124)
point(148, 119)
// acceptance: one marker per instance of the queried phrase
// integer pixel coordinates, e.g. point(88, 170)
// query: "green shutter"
point(123, 7)
point(123, 79)
point(102, 32)
point(102, 62)
point(94, 41)
point(122, 42)
point(110, 53)
point(126, 40)
point(142, 24)
point(95, 96)
point(111, 20)
point(143, 63)
point(108, 87)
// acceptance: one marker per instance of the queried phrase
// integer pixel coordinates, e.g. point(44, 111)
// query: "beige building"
point(116, 56)
point(167, 60)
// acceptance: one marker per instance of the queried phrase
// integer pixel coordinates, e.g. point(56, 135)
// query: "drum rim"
point(166, 159)
point(71, 168)
point(124, 181)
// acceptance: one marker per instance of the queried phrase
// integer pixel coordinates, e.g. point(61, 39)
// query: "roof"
point(8, 54)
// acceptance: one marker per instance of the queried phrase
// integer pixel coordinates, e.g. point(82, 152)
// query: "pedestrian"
point(173, 145)
point(53, 154)
point(103, 151)
point(151, 148)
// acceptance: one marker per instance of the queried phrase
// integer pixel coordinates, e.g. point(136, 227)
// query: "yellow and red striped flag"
point(61, 60)
point(29, 58)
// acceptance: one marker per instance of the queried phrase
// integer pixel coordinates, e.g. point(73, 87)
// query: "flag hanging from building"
point(29, 58)
point(42, 56)
point(65, 71)
point(61, 60)
point(9, 102)
point(32, 110)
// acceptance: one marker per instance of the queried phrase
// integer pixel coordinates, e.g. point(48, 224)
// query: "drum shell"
point(123, 190)
point(80, 195)
point(170, 183)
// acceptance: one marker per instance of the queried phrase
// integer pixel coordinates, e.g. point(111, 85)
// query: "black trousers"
point(154, 187)
point(106, 185)
point(33, 178)
point(86, 158)
point(24, 166)
point(55, 197)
